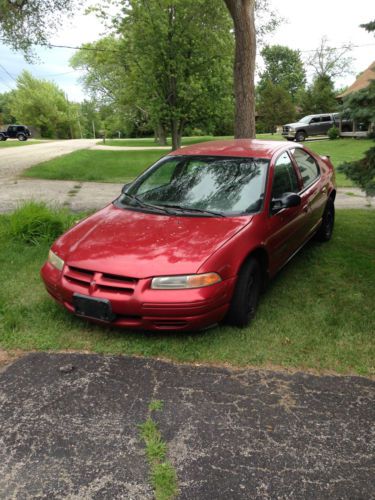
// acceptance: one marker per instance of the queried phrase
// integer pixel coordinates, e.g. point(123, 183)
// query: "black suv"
point(19, 132)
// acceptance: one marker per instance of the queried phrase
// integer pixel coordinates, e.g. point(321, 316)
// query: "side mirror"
point(287, 200)
point(125, 187)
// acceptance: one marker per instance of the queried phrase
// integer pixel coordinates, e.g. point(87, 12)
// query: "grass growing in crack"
point(162, 474)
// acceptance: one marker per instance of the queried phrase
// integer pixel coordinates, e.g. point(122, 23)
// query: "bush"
point(333, 133)
point(362, 172)
point(34, 223)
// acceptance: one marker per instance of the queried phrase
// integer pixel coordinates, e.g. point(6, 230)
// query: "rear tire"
point(326, 227)
point(246, 294)
point(2, 137)
point(300, 136)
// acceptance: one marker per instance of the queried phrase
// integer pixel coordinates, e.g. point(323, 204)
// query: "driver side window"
point(284, 177)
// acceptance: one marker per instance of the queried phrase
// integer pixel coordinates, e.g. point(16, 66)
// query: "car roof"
point(253, 148)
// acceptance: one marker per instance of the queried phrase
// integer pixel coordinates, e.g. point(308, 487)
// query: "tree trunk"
point(242, 12)
point(176, 134)
point(160, 135)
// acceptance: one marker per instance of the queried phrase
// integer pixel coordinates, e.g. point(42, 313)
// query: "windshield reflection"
point(217, 184)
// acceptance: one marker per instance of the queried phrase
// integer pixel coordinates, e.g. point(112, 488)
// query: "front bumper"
point(140, 307)
point(288, 134)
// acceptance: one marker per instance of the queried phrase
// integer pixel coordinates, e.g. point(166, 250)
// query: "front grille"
point(285, 129)
point(87, 279)
point(84, 272)
point(115, 277)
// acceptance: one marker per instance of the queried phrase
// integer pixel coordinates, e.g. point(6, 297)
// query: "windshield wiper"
point(200, 210)
point(147, 205)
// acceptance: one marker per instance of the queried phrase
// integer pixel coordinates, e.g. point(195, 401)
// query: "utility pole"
point(93, 129)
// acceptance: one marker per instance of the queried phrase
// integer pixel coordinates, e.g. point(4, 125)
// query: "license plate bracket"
point(92, 307)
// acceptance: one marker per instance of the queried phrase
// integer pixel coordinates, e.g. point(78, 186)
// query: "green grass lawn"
point(91, 165)
point(122, 166)
point(341, 150)
point(13, 143)
point(318, 313)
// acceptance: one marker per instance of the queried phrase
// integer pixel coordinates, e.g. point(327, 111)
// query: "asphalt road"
point(230, 434)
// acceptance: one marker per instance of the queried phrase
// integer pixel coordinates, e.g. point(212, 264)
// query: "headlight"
point(181, 282)
point(291, 129)
point(55, 261)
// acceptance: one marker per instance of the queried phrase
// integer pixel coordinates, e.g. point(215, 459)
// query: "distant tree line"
point(166, 68)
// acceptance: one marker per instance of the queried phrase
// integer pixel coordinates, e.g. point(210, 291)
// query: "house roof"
point(361, 82)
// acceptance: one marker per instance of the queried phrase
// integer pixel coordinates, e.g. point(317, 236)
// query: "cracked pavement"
point(231, 434)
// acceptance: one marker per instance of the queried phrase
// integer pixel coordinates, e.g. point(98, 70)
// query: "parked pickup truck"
point(313, 125)
point(19, 132)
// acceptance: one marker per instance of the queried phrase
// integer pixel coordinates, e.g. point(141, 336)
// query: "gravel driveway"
point(14, 160)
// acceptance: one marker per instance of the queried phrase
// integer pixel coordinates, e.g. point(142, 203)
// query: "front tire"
point(300, 136)
point(246, 294)
point(326, 227)
point(21, 137)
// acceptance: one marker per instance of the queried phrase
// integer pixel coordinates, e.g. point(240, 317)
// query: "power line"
point(96, 49)
point(41, 76)
point(59, 74)
point(5, 83)
point(342, 47)
point(7, 72)
point(93, 49)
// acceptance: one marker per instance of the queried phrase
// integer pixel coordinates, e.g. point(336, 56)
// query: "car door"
point(326, 123)
point(314, 126)
point(12, 130)
point(286, 227)
point(313, 194)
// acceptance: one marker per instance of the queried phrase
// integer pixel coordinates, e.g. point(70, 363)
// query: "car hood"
point(140, 245)
point(296, 124)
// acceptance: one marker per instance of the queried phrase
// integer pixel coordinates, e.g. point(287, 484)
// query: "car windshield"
point(200, 185)
point(306, 119)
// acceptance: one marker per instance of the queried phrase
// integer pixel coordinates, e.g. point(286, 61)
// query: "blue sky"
point(53, 65)
point(306, 24)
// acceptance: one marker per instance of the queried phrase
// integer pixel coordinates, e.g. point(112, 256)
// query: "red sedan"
point(193, 240)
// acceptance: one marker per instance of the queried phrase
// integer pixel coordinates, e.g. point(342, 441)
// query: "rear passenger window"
point(307, 165)
point(284, 177)
point(326, 118)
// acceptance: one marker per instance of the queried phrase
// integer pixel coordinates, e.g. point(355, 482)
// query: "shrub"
point(362, 172)
point(333, 133)
point(34, 223)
